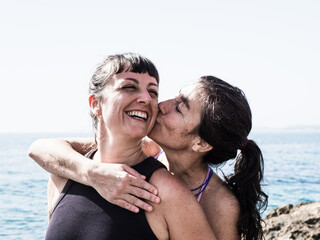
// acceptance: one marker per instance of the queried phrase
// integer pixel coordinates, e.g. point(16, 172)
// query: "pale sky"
point(50, 49)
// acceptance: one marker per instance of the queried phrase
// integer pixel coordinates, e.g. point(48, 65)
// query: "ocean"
point(292, 163)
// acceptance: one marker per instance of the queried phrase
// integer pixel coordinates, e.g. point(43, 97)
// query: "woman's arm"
point(117, 183)
point(58, 157)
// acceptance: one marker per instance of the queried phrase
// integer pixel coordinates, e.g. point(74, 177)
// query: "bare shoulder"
point(158, 218)
point(169, 186)
point(174, 211)
point(223, 197)
point(222, 209)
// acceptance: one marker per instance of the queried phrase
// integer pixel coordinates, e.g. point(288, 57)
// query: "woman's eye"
point(177, 107)
point(154, 93)
point(129, 87)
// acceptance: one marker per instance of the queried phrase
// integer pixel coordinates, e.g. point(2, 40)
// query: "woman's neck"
point(119, 151)
point(188, 167)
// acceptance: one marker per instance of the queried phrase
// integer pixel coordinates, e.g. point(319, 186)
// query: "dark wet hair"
point(114, 64)
point(225, 125)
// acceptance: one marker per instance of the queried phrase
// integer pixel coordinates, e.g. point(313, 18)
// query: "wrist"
point(88, 173)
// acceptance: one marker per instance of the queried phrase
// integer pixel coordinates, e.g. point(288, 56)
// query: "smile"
point(138, 115)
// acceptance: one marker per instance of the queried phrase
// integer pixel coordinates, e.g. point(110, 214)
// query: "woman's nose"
point(144, 97)
point(165, 106)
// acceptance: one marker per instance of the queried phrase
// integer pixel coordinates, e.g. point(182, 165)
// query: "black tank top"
point(81, 213)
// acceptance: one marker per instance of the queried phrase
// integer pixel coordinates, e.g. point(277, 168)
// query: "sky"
point(50, 49)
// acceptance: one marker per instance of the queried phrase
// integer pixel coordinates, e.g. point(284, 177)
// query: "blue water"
point(292, 163)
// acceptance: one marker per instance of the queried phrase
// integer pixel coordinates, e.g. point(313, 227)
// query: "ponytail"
point(245, 184)
point(225, 124)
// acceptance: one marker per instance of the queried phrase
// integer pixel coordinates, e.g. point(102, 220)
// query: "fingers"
point(133, 172)
point(126, 205)
point(133, 196)
point(141, 193)
point(123, 186)
point(138, 182)
point(138, 188)
point(142, 189)
point(133, 204)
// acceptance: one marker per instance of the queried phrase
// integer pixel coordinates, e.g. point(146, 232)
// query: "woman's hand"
point(150, 147)
point(122, 186)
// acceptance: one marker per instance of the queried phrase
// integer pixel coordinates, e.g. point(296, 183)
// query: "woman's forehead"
point(137, 78)
point(193, 94)
point(191, 89)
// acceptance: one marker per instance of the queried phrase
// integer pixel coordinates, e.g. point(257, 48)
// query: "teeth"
point(142, 115)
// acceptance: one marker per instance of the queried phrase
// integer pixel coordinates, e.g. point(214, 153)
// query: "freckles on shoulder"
point(222, 206)
point(169, 186)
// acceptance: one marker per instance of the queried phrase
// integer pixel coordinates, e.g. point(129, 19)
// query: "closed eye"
point(129, 87)
point(177, 107)
point(154, 93)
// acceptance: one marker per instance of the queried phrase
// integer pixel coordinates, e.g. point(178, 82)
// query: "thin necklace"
point(203, 185)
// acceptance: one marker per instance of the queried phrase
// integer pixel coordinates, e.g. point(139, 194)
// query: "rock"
point(293, 222)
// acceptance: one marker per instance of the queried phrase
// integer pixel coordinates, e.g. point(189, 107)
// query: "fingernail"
point(136, 210)
point(157, 199)
point(149, 209)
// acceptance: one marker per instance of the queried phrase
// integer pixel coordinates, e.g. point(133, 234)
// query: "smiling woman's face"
point(129, 105)
point(177, 119)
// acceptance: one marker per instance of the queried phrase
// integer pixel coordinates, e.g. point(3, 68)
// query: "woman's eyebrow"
point(153, 84)
point(185, 101)
point(137, 82)
point(132, 79)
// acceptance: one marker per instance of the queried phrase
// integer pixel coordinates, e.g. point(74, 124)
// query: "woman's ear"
point(94, 105)
point(199, 145)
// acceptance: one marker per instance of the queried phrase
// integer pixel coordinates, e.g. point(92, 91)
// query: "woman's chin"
point(138, 134)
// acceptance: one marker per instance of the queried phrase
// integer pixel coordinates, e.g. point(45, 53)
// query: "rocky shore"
point(293, 222)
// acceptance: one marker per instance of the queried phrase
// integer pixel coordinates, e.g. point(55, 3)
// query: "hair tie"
point(244, 144)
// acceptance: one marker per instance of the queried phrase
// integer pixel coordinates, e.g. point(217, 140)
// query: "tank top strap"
point(63, 193)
